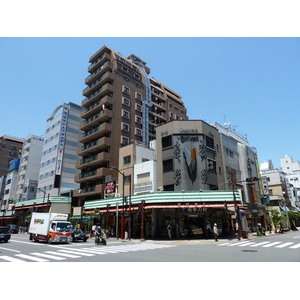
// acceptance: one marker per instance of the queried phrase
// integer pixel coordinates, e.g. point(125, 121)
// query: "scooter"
point(100, 239)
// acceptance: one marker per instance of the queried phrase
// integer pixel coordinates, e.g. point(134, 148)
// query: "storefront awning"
point(168, 198)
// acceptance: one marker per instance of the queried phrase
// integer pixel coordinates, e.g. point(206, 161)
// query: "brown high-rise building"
point(10, 148)
point(123, 105)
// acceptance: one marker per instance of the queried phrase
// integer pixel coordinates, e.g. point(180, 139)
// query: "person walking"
point(169, 228)
point(216, 232)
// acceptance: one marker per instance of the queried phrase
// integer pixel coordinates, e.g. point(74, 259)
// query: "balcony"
point(96, 119)
point(95, 65)
point(96, 106)
point(93, 161)
point(97, 95)
point(97, 83)
point(94, 146)
point(89, 191)
point(91, 175)
point(107, 66)
point(95, 133)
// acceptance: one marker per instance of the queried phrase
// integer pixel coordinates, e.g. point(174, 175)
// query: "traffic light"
point(251, 179)
point(254, 194)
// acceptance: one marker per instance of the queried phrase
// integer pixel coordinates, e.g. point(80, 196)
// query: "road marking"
point(48, 256)
point(11, 259)
point(62, 254)
point(284, 245)
point(10, 249)
point(237, 244)
point(76, 253)
point(295, 247)
point(32, 257)
point(272, 244)
point(259, 244)
point(247, 244)
point(224, 244)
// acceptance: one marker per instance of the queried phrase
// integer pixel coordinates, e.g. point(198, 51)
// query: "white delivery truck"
point(50, 227)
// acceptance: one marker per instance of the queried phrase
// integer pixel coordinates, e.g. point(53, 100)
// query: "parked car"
point(4, 233)
point(78, 235)
point(13, 228)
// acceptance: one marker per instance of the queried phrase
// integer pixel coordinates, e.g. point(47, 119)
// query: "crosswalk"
point(62, 254)
point(266, 244)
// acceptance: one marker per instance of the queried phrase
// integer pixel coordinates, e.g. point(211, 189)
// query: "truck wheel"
point(34, 238)
point(49, 240)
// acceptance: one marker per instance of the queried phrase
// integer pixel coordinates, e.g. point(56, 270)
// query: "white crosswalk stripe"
point(61, 254)
point(30, 257)
point(267, 244)
point(284, 245)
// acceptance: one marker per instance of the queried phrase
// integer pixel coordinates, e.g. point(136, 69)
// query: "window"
point(138, 131)
point(138, 96)
point(138, 119)
point(167, 165)
point(125, 140)
point(126, 78)
point(138, 107)
point(137, 76)
point(126, 101)
point(209, 142)
point(125, 127)
point(138, 85)
point(126, 160)
point(211, 165)
point(166, 141)
point(125, 113)
point(126, 89)
point(122, 60)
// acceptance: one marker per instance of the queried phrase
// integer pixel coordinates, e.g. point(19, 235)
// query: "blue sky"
point(253, 83)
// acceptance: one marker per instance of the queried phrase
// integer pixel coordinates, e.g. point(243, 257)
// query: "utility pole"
point(236, 208)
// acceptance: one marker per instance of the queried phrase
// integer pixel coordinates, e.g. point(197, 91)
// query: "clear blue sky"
point(253, 83)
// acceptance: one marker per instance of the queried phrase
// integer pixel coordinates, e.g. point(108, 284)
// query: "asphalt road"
point(273, 248)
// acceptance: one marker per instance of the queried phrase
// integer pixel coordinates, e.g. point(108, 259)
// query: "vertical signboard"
point(61, 145)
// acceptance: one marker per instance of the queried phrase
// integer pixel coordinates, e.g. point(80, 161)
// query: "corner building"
point(122, 105)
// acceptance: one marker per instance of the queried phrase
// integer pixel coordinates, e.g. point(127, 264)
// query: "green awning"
point(208, 197)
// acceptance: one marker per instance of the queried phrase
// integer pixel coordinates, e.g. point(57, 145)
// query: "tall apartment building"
point(57, 168)
point(10, 148)
point(122, 105)
point(29, 168)
point(11, 184)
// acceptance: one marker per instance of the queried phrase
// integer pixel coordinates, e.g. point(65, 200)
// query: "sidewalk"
point(228, 238)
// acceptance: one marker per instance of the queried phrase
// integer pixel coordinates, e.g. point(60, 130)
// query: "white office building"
point(59, 154)
point(29, 168)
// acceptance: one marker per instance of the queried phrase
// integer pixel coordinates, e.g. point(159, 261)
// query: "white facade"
point(59, 154)
point(288, 165)
point(145, 170)
point(29, 168)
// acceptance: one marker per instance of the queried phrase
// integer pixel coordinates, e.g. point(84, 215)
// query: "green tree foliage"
point(275, 218)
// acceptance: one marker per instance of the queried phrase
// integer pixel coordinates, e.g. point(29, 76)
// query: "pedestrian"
point(216, 232)
point(169, 228)
point(208, 230)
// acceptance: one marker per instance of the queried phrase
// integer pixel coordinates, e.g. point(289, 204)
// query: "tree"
point(294, 218)
point(275, 218)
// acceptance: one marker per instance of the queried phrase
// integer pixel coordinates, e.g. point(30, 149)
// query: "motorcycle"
point(100, 239)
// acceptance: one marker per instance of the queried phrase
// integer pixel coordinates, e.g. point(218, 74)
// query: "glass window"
point(127, 160)
point(168, 165)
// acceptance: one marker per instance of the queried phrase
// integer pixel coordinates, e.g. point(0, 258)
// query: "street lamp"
point(123, 200)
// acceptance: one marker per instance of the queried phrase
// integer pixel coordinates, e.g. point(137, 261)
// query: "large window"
point(168, 165)
point(210, 142)
point(166, 141)
point(127, 160)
